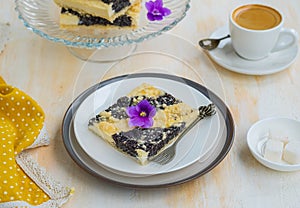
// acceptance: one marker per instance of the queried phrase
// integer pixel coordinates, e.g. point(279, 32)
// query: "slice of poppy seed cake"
point(145, 122)
point(107, 9)
point(79, 21)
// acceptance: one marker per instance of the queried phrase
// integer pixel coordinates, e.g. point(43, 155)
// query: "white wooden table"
point(47, 71)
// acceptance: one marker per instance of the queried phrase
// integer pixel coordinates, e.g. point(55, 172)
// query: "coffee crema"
point(256, 17)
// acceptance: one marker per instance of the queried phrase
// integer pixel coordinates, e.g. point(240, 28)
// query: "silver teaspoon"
point(210, 44)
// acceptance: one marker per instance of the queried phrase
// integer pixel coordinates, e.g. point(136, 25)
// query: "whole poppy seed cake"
point(144, 123)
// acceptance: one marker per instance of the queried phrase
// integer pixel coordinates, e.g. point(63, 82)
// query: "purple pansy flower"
point(141, 114)
point(156, 11)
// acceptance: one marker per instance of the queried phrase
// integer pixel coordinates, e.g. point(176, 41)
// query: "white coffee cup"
point(257, 30)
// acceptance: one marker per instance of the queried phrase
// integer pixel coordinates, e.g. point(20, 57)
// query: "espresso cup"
point(257, 30)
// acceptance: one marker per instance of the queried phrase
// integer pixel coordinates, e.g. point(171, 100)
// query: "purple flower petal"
point(132, 112)
point(141, 114)
point(158, 17)
point(156, 11)
point(158, 3)
point(148, 123)
point(138, 109)
point(146, 106)
point(165, 11)
point(149, 5)
point(136, 121)
point(150, 16)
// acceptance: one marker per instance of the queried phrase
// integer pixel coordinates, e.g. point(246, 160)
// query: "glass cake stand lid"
point(212, 158)
point(158, 55)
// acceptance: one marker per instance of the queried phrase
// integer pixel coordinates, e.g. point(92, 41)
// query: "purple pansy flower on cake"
point(141, 115)
point(156, 11)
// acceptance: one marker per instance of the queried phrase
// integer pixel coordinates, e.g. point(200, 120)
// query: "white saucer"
point(225, 56)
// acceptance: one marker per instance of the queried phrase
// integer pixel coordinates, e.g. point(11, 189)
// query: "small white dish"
point(279, 127)
point(226, 57)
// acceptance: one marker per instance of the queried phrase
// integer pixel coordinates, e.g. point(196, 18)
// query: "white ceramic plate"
point(225, 56)
point(107, 156)
point(208, 161)
point(277, 127)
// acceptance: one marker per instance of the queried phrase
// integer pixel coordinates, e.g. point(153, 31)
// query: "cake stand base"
point(103, 55)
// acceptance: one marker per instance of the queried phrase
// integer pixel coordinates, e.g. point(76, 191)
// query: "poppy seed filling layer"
point(118, 5)
point(87, 19)
point(150, 140)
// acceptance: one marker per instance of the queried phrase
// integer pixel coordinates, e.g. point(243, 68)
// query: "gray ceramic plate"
point(210, 160)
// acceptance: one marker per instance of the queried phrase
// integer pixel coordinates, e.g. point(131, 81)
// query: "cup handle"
point(286, 39)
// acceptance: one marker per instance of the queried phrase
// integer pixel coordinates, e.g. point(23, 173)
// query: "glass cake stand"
point(42, 17)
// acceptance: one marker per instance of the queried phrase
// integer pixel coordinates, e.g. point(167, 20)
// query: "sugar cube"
point(273, 150)
point(291, 152)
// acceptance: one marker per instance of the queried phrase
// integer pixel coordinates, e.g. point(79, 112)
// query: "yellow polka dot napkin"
point(23, 183)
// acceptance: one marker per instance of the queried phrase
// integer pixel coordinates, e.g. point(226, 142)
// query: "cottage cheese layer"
point(171, 118)
point(71, 19)
point(107, 9)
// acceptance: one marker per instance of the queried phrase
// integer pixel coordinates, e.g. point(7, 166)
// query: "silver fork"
point(168, 154)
